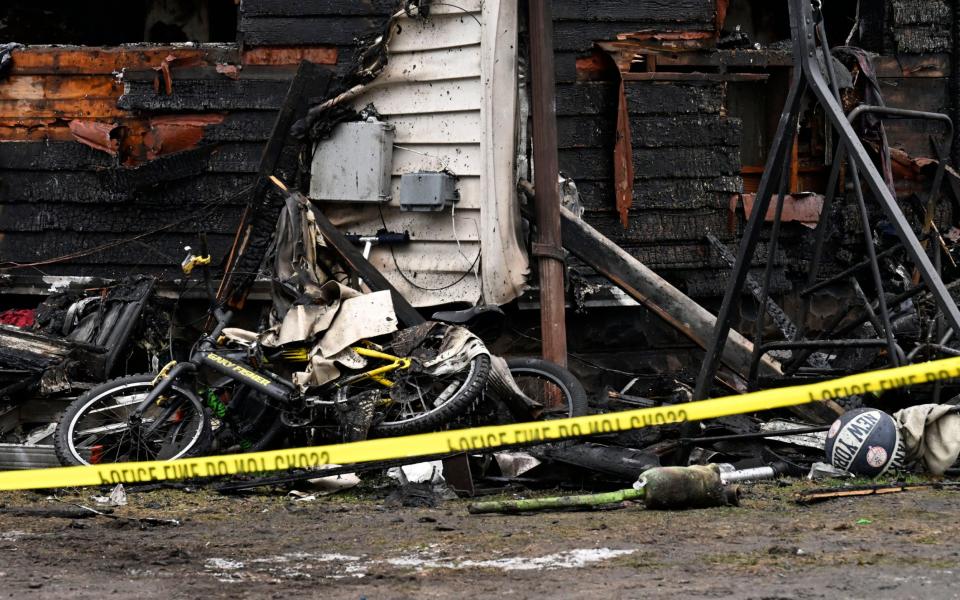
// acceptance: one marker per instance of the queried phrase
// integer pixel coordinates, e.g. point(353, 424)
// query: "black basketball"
point(865, 442)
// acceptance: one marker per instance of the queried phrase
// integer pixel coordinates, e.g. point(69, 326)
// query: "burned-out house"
point(127, 128)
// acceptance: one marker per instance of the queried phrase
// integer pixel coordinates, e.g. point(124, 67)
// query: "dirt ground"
point(353, 546)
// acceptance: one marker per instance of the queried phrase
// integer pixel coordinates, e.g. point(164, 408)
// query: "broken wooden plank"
point(83, 60)
point(259, 215)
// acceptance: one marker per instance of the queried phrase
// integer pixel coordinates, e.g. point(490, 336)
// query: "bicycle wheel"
point(96, 427)
point(424, 402)
point(553, 386)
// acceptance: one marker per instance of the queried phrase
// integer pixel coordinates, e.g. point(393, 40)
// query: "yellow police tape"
point(479, 438)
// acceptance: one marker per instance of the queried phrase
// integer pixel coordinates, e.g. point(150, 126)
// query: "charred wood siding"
point(685, 151)
point(181, 163)
point(332, 23)
point(919, 26)
point(686, 164)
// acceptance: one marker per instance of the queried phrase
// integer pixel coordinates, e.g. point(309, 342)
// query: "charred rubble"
point(667, 129)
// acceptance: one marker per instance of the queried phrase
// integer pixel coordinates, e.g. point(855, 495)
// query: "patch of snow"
point(571, 559)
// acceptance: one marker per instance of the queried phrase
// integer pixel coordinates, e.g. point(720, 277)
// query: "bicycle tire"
point(463, 399)
point(197, 442)
point(575, 397)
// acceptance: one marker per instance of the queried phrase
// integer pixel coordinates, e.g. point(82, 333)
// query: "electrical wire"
point(415, 284)
point(460, 8)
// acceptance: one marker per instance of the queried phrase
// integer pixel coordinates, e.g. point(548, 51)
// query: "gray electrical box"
point(354, 164)
point(427, 191)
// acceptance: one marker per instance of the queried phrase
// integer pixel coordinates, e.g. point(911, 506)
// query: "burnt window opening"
point(115, 22)
point(764, 22)
point(758, 104)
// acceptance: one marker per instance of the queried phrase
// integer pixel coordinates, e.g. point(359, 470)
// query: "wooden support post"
point(547, 201)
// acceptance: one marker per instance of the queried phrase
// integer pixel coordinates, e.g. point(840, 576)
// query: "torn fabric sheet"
point(304, 322)
point(931, 435)
point(311, 305)
point(359, 318)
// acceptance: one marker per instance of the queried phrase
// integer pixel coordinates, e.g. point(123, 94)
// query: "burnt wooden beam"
point(654, 292)
point(256, 227)
point(662, 298)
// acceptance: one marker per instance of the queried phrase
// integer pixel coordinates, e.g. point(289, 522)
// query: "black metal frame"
point(806, 28)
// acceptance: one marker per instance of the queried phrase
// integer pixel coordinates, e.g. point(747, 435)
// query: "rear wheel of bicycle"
point(557, 389)
point(422, 402)
point(96, 427)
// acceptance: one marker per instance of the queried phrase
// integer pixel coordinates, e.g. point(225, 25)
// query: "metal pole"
point(547, 200)
point(802, 10)
point(751, 235)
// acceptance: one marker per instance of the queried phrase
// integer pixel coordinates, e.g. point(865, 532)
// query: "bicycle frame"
point(263, 381)
point(208, 353)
